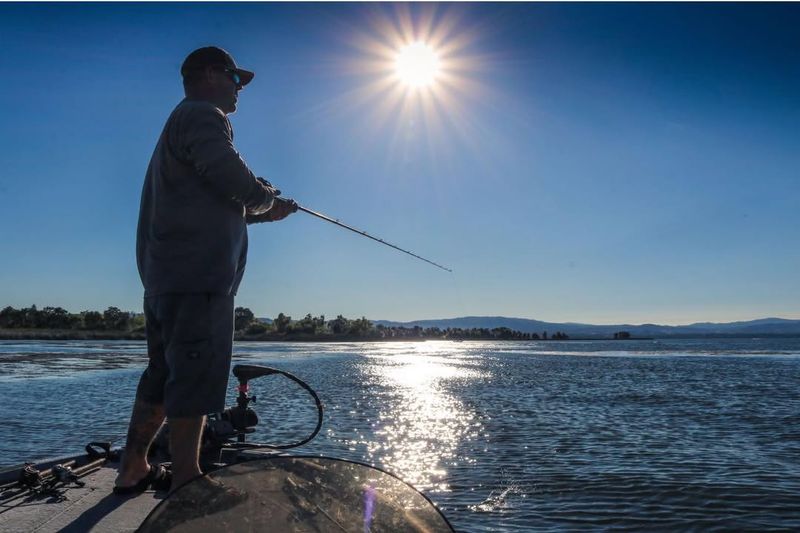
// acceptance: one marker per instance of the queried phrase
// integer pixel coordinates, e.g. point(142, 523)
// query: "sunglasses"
point(234, 76)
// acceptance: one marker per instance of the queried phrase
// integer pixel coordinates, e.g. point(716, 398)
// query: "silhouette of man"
point(197, 199)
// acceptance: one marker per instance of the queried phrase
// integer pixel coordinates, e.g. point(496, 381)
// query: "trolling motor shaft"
point(240, 419)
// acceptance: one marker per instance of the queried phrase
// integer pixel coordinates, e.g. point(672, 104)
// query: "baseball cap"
point(211, 56)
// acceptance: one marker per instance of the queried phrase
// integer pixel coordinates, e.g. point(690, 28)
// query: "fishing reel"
point(238, 420)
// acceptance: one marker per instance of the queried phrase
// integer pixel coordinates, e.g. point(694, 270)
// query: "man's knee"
point(150, 389)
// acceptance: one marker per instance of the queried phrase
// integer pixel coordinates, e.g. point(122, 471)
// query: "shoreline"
point(29, 334)
point(105, 335)
point(20, 334)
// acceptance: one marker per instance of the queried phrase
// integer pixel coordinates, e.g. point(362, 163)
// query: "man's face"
point(225, 89)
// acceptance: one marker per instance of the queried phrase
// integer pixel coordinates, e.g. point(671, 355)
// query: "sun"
point(417, 73)
point(417, 65)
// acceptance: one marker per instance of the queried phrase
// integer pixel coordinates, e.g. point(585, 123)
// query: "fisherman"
point(191, 249)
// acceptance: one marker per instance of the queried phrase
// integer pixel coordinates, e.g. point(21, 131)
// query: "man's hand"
point(271, 193)
point(269, 187)
point(281, 208)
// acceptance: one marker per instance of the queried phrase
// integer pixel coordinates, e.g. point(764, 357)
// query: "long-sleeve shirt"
point(192, 235)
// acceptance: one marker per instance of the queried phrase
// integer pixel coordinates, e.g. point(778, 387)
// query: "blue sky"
point(595, 163)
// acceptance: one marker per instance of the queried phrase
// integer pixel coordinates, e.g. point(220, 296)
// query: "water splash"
point(498, 500)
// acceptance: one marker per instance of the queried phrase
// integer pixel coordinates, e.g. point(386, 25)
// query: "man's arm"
point(281, 208)
point(208, 144)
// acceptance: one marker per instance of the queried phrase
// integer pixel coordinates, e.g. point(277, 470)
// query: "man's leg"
point(184, 447)
point(199, 357)
point(146, 420)
point(148, 407)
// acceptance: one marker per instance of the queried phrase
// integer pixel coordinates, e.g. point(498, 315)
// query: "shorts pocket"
point(189, 352)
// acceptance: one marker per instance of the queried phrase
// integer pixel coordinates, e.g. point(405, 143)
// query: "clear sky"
point(597, 163)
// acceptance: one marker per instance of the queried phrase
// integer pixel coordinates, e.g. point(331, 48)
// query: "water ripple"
point(553, 436)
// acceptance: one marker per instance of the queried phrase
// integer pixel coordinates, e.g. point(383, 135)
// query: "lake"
point(503, 436)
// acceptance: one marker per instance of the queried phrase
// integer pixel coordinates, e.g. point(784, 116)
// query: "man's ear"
point(211, 76)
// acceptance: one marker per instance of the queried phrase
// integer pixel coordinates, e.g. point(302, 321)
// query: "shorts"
point(189, 346)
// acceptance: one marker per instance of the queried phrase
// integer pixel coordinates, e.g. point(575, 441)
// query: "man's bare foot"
point(156, 477)
point(130, 475)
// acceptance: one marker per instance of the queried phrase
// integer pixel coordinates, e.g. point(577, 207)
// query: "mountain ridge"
point(761, 326)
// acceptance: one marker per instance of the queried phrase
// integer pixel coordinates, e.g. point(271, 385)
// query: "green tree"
point(138, 322)
point(502, 333)
point(55, 318)
point(305, 324)
point(282, 323)
point(256, 328)
point(360, 327)
point(31, 318)
point(310, 324)
point(432, 332)
point(339, 325)
point(319, 324)
point(242, 317)
point(116, 319)
point(11, 318)
point(92, 320)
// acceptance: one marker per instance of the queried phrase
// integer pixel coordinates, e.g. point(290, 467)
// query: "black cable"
point(253, 446)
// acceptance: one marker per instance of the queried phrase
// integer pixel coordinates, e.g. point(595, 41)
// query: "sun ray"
point(430, 116)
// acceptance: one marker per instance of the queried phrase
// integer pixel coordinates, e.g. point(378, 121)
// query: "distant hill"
point(764, 326)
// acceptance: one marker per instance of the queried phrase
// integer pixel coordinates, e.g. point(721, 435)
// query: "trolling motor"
point(239, 420)
point(224, 434)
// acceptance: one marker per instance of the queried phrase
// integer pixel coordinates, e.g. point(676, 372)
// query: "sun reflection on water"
point(420, 422)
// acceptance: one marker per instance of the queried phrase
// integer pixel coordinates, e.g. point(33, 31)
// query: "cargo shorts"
point(189, 347)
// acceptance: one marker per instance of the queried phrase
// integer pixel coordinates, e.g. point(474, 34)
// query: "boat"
point(246, 487)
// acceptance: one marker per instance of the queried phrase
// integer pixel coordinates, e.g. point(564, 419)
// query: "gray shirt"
point(192, 234)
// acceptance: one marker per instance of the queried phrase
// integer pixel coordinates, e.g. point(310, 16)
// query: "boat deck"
point(90, 508)
point(263, 490)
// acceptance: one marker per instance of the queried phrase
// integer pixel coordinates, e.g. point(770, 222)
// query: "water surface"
point(693, 434)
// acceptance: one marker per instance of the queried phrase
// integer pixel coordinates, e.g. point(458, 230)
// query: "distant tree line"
point(247, 326)
point(112, 319)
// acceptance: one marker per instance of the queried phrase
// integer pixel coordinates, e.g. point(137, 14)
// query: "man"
point(191, 250)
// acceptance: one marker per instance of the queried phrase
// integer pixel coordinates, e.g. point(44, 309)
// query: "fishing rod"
point(51, 482)
point(365, 234)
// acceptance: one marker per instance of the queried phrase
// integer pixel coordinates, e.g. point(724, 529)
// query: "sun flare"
point(417, 65)
point(417, 73)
